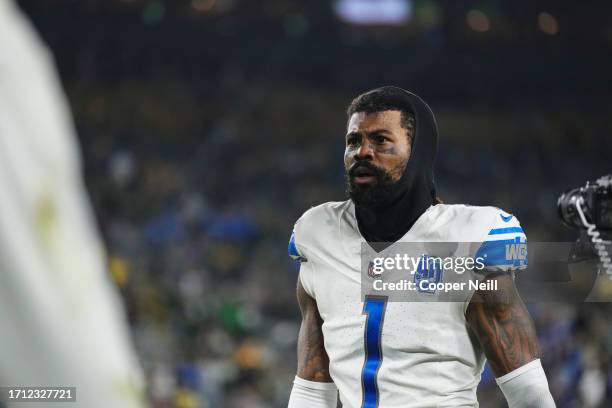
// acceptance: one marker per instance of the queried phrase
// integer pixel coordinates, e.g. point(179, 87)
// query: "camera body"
point(596, 204)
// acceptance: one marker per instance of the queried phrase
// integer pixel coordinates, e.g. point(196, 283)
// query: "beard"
point(369, 195)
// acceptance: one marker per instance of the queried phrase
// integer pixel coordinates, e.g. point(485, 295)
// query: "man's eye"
point(380, 139)
point(351, 141)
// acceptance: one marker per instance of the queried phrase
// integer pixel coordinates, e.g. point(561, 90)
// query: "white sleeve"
point(310, 394)
point(306, 277)
point(526, 387)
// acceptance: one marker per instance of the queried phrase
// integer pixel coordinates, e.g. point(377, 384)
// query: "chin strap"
point(598, 243)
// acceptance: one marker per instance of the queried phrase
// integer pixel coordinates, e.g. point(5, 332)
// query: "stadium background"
point(208, 127)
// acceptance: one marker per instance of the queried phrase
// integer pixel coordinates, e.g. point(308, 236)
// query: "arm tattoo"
point(503, 326)
point(313, 362)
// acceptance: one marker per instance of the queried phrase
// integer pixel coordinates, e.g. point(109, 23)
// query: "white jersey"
point(396, 354)
point(62, 322)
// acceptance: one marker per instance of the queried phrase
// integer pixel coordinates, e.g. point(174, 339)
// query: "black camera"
point(595, 200)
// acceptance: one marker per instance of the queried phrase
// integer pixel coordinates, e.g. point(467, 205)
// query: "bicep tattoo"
point(503, 326)
point(313, 361)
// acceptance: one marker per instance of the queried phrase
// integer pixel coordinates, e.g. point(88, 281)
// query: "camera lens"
point(566, 205)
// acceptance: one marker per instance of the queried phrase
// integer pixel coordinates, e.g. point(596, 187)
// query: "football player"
point(376, 353)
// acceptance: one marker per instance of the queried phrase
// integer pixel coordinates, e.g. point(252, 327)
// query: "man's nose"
point(365, 151)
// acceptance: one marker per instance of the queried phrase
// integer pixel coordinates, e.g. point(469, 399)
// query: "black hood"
point(415, 191)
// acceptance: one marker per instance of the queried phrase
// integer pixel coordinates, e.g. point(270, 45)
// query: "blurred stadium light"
point(478, 21)
point(374, 12)
point(548, 23)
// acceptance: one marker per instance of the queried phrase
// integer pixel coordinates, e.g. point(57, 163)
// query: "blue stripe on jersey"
point(507, 230)
point(374, 308)
point(292, 248)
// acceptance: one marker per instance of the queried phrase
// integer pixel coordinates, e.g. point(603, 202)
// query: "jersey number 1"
point(374, 308)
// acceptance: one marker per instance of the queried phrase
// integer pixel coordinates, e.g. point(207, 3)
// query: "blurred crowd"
point(199, 165)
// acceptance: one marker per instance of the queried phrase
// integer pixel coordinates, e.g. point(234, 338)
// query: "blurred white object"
point(386, 12)
point(61, 320)
point(592, 387)
point(122, 168)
